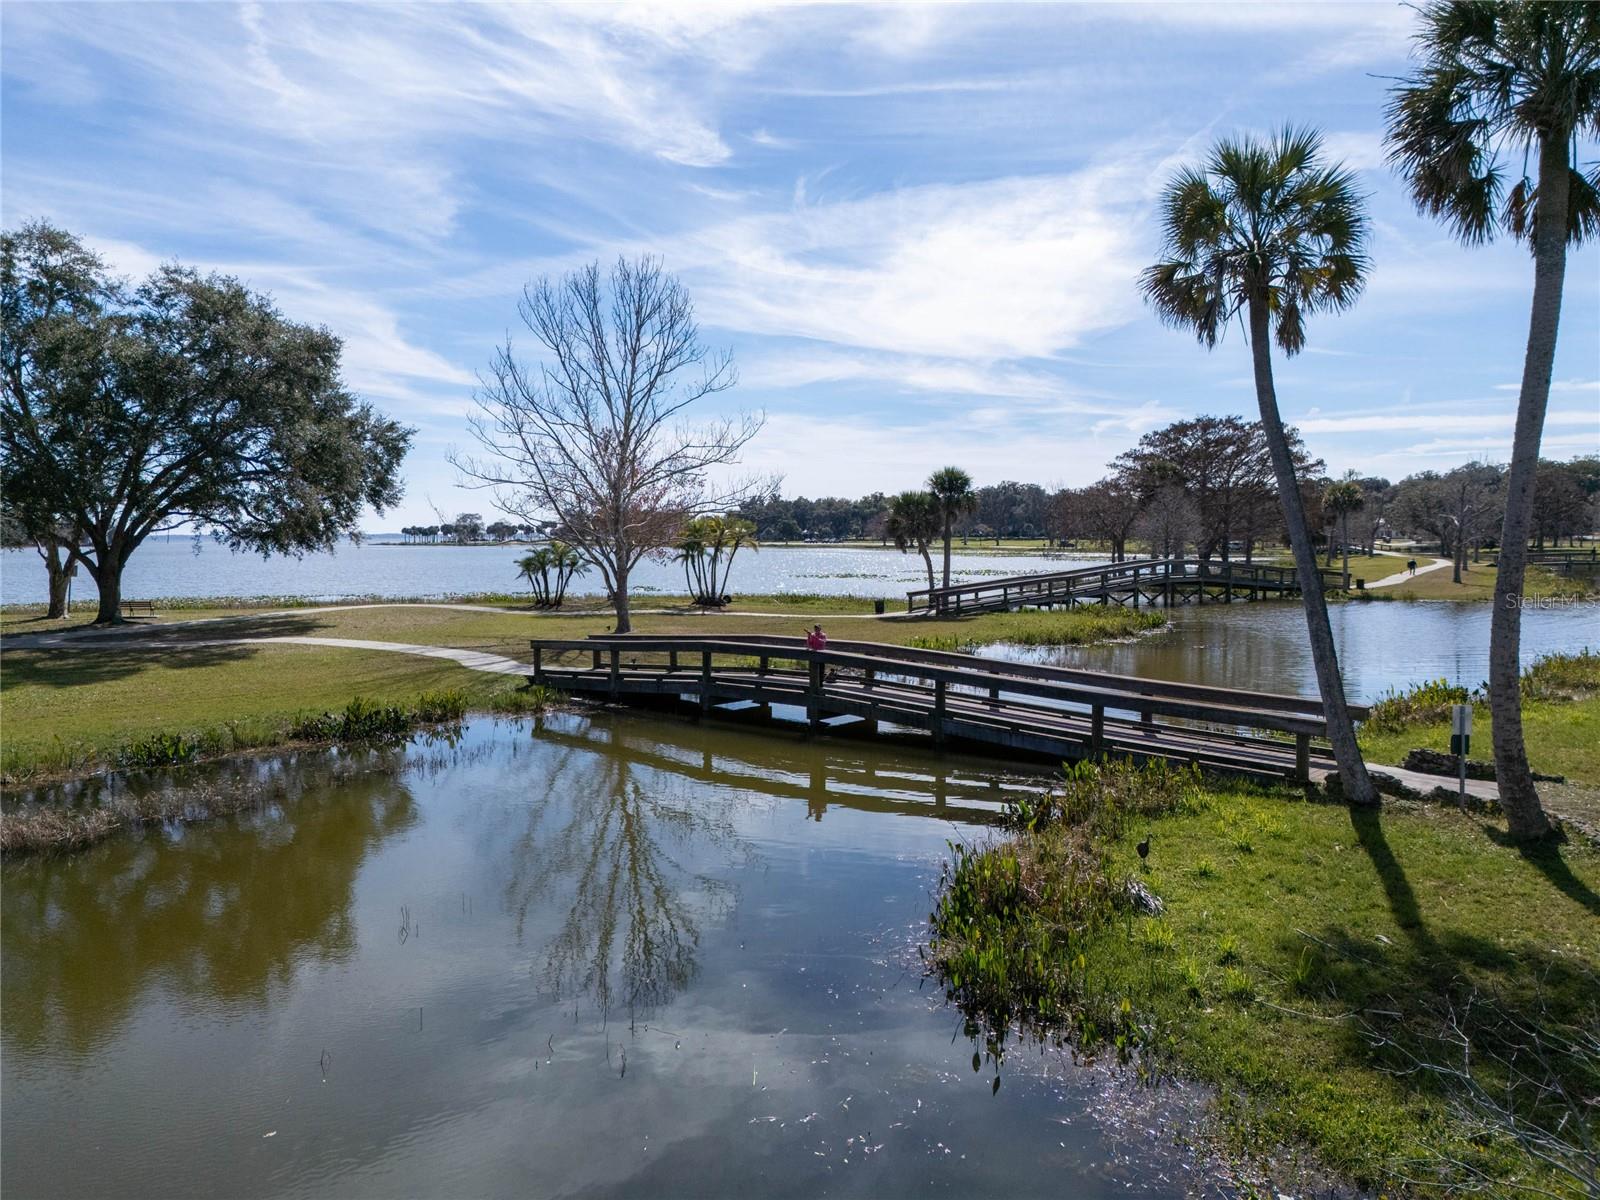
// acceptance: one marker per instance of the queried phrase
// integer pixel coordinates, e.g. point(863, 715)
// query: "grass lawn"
point(1304, 949)
point(64, 710)
point(1477, 583)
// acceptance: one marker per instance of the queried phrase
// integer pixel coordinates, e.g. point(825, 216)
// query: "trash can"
point(878, 606)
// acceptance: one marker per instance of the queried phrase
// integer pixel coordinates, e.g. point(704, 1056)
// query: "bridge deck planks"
point(987, 702)
point(1135, 581)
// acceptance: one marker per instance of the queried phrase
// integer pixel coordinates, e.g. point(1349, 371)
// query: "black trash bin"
point(877, 606)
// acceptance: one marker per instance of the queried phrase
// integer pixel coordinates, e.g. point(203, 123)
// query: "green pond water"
point(590, 956)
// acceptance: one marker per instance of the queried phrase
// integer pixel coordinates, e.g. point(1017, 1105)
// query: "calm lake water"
point(1382, 645)
point(162, 568)
point(598, 956)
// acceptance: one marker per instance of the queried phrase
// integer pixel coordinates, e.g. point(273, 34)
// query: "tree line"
point(189, 400)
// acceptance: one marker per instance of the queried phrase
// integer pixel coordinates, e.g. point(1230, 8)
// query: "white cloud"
point(852, 456)
point(1557, 386)
point(1453, 421)
point(1008, 268)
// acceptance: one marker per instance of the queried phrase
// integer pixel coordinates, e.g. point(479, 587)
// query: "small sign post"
point(1460, 744)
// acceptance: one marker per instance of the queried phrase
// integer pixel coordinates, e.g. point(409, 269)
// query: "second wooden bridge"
point(1168, 581)
point(1024, 708)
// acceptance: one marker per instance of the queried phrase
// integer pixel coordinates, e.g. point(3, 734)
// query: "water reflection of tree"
point(220, 915)
point(608, 849)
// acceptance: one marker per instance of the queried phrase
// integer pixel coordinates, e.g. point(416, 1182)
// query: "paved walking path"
point(1404, 576)
point(67, 637)
point(499, 664)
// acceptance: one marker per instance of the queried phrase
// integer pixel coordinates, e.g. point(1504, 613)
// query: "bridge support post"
point(938, 712)
point(538, 664)
point(1148, 720)
point(597, 658)
point(672, 660)
point(705, 681)
point(814, 695)
point(1302, 758)
point(616, 672)
point(1097, 731)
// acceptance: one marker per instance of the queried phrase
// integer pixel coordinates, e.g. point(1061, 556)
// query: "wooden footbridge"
point(1004, 707)
point(1168, 581)
point(1567, 562)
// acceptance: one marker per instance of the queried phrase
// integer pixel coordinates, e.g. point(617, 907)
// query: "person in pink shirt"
point(816, 639)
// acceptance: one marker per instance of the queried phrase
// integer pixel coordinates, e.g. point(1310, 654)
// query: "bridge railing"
point(1098, 580)
point(927, 681)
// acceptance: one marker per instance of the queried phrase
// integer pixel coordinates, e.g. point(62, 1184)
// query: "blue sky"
point(919, 229)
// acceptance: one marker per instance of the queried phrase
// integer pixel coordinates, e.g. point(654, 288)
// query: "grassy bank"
point(1072, 627)
point(47, 826)
point(1309, 962)
point(1560, 720)
point(74, 708)
point(1477, 583)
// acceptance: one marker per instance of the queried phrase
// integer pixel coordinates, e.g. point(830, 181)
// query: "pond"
point(175, 567)
point(1382, 645)
point(589, 956)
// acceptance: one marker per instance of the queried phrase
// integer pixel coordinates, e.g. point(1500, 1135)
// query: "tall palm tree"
point(914, 521)
point(952, 488)
point(1340, 500)
point(1266, 231)
point(1519, 81)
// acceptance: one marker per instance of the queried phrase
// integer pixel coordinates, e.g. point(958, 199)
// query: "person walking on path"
point(1411, 566)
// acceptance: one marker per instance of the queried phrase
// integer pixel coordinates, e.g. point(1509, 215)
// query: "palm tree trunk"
point(928, 560)
point(1353, 778)
point(947, 520)
point(1525, 816)
point(1344, 545)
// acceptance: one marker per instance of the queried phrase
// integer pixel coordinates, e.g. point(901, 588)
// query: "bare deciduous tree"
point(596, 435)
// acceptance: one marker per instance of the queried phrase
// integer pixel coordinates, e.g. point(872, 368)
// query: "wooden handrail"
point(1000, 667)
point(1222, 706)
point(1156, 570)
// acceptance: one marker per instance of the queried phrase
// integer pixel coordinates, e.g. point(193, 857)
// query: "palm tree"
point(566, 561)
point(1340, 500)
point(952, 488)
point(914, 521)
point(1265, 230)
point(706, 548)
point(535, 568)
point(1497, 79)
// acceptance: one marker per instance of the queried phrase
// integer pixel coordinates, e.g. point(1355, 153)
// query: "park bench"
point(138, 608)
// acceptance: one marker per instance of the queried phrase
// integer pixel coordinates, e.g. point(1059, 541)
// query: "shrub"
point(523, 701)
point(1419, 704)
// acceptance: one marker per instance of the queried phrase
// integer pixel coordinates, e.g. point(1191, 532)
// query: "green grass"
point(1275, 970)
point(1477, 583)
point(1560, 719)
point(70, 710)
point(1071, 628)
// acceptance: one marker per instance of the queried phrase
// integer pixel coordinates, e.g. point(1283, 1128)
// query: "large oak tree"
point(188, 401)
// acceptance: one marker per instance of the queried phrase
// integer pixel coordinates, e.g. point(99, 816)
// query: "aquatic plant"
point(1075, 627)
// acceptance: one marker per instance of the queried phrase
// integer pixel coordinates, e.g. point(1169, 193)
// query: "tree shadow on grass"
point(104, 658)
point(1546, 857)
point(1368, 826)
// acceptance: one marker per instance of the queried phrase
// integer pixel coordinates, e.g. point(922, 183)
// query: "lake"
point(163, 568)
point(1382, 645)
point(589, 956)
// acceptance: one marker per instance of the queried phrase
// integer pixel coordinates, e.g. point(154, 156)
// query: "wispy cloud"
point(1007, 268)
